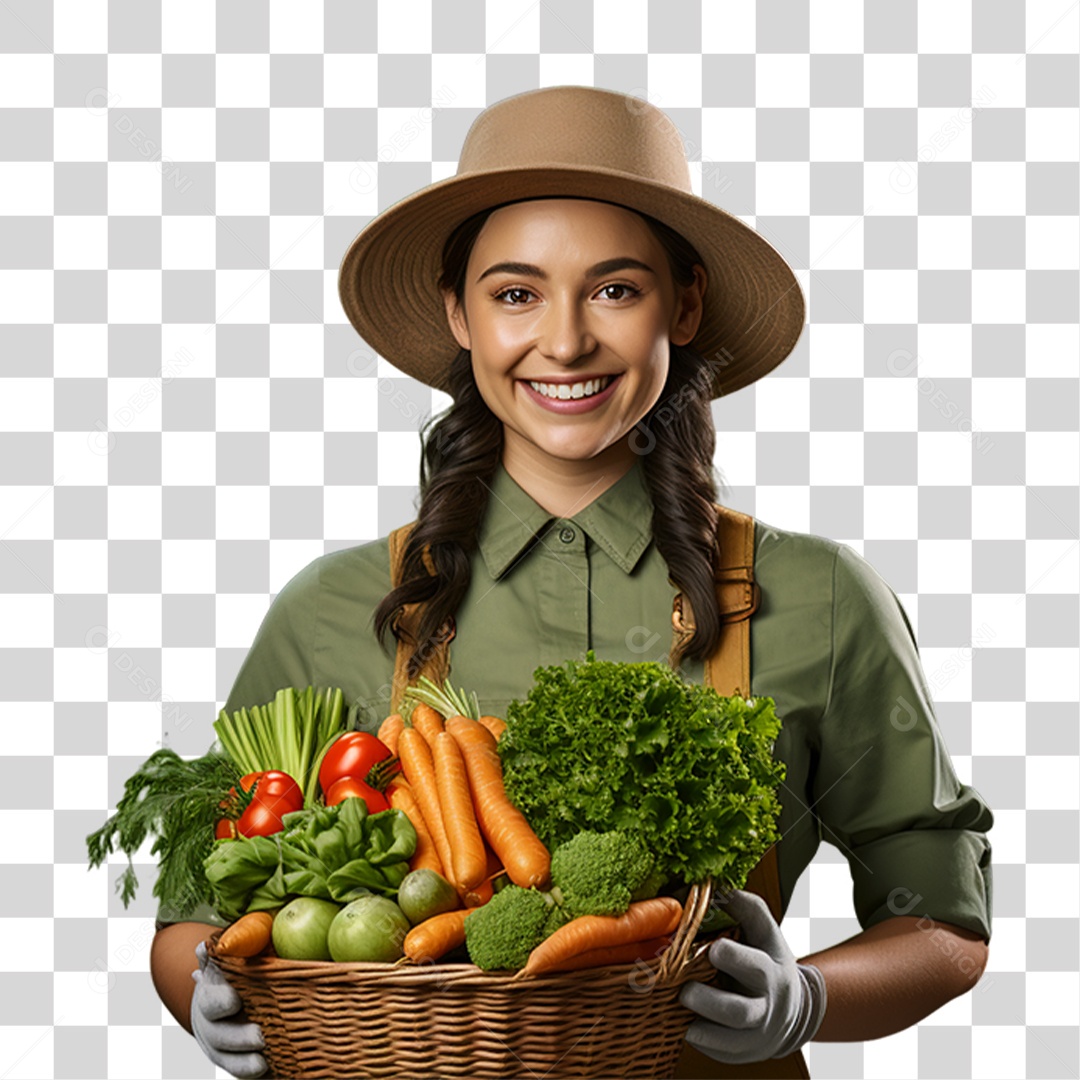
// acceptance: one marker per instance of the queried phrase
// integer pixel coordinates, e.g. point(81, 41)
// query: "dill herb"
point(179, 802)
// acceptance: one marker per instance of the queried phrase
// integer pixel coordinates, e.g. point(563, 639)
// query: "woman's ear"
point(455, 316)
point(689, 309)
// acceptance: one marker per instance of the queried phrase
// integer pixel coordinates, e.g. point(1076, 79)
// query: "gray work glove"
point(229, 1042)
point(784, 1002)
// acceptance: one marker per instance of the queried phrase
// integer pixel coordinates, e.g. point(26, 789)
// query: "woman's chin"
point(573, 449)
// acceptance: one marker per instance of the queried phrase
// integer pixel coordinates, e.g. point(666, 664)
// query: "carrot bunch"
point(451, 789)
point(467, 829)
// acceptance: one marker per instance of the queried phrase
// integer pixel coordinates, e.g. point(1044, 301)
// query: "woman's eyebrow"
point(608, 266)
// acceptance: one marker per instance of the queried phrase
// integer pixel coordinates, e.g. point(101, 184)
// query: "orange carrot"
point(426, 855)
point(459, 819)
point(435, 937)
point(420, 772)
point(396, 781)
point(614, 954)
point(644, 920)
point(485, 890)
point(427, 721)
point(527, 860)
point(494, 725)
point(248, 936)
point(479, 896)
point(494, 863)
point(389, 730)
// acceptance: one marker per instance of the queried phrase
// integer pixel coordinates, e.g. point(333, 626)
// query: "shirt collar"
point(619, 520)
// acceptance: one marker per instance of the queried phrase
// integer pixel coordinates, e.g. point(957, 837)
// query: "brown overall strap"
point(727, 671)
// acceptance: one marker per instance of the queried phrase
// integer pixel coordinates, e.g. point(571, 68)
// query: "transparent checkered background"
point(187, 419)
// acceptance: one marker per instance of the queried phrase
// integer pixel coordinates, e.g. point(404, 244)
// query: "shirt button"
point(566, 535)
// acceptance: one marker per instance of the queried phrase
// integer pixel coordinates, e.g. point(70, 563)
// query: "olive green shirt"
point(867, 767)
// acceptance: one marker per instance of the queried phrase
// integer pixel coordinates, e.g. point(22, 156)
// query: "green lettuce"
point(330, 852)
point(607, 745)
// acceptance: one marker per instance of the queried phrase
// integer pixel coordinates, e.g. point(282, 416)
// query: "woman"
point(582, 307)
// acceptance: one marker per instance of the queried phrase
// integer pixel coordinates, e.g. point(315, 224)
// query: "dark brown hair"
point(462, 449)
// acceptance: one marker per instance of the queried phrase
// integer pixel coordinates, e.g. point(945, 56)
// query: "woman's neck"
point(565, 487)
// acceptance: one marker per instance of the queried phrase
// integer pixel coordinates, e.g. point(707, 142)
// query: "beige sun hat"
point(569, 141)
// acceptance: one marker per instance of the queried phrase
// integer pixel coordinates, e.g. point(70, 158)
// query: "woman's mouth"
point(572, 397)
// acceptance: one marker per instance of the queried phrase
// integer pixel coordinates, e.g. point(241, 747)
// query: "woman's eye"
point(506, 294)
point(626, 288)
point(509, 292)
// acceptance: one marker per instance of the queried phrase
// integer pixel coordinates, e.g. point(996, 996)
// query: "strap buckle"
point(738, 596)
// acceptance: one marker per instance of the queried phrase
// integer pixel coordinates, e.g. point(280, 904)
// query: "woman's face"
point(564, 292)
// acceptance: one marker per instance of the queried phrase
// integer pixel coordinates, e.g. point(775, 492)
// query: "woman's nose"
point(564, 331)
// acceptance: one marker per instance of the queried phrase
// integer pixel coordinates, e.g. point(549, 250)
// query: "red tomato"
point(276, 794)
point(353, 754)
point(279, 791)
point(258, 820)
point(225, 829)
point(349, 785)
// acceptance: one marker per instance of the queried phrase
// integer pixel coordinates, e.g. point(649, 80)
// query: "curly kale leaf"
point(602, 745)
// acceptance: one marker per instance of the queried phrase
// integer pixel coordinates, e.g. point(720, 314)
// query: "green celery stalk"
point(292, 737)
point(323, 719)
point(264, 731)
point(281, 723)
point(273, 716)
point(299, 733)
point(313, 774)
point(239, 729)
point(307, 726)
point(223, 728)
point(335, 700)
point(250, 731)
point(329, 704)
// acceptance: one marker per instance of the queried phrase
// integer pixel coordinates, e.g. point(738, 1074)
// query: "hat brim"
point(754, 305)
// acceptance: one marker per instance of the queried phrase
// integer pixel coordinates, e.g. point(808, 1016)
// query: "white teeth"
point(564, 391)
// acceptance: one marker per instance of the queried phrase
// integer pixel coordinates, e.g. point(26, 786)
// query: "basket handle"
point(677, 954)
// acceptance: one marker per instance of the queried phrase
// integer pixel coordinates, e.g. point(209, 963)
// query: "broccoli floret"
point(602, 873)
point(651, 886)
point(501, 934)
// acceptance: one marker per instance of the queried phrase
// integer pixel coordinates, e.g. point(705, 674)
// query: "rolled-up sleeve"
point(885, 791)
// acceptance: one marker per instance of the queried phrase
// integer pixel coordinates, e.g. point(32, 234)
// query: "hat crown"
point(577, 127)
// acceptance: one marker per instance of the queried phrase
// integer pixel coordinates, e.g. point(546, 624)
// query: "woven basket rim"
point(272, 968)
point(677, 964)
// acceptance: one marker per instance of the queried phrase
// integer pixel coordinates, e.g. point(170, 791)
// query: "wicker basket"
point(324, 1019)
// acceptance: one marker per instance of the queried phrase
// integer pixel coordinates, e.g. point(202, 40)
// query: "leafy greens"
point(609, 745)
point(332, 852)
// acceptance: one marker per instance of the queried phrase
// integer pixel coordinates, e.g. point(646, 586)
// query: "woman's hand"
point(230, 1043)
point(783, 1003)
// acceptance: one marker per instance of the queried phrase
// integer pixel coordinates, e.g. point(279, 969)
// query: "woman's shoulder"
point(780, 548)
point(360, 571)
point(817, 568)
point(363, 568)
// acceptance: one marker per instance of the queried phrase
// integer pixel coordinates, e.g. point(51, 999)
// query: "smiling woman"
point(583, 308)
